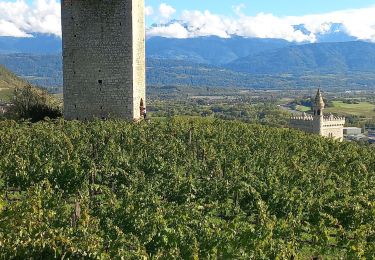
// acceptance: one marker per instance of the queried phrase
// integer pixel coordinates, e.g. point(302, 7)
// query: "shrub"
point(33, 104)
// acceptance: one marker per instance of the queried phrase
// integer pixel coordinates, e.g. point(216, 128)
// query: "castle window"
point(100, 81)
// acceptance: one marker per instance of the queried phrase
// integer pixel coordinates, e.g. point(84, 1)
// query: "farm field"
point(363, 109)
point(302, 108)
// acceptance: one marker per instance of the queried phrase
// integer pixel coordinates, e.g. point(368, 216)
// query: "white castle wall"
point(328, 126)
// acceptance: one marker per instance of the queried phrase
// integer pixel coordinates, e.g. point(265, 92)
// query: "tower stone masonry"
point(103, 59)
point(318, 123)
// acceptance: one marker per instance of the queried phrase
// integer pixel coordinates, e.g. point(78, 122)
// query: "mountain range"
point(213, 61)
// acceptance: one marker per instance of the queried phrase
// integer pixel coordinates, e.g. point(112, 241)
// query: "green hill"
point(8, 81)
point(182, 189)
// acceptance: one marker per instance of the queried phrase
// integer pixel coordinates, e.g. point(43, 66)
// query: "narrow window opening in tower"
point(101, 107)
point(75, 35)
point(75, 106)
point(100, 81)
point(318, 112)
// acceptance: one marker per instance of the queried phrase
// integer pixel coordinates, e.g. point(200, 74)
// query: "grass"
point(302, 108)
point(5, 94)
point(363, 109)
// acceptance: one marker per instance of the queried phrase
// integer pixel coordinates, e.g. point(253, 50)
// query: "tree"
point(34, 104)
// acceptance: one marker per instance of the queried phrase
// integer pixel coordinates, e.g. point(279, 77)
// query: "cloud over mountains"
point(358, 23)
point(20, 19)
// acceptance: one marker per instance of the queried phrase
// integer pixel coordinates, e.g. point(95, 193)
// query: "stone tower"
point(103, 59)
point(318, 123)
point(318, 107)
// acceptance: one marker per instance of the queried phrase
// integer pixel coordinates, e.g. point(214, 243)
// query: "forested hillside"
point(8, 80)
point(182, 188)
point(330, 58)
point(332, 65)
point(42, 70)
point(46, 71)
point(210, 50)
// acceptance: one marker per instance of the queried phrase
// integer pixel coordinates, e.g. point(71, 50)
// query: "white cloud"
point(10, 29)
point(359, 23)
point(166, 11)
point(237, 9)
point(20, 19)
point(174, 30)
point(268, 26)
point(206, 23)
point(149, 10)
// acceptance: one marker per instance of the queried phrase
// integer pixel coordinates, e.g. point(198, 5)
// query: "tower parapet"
point(333, 118)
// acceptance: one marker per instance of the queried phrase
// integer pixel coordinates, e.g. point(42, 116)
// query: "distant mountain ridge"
point(210, 50)
point(39, 44)
point(340, 57)
point(214, 61)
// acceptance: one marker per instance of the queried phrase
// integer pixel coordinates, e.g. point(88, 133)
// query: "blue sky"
point(196, 18)
point(276, 7)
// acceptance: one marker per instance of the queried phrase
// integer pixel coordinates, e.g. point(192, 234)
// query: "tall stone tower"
point(103, 59)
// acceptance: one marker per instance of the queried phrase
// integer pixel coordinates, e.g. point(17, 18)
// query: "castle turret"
point(318, 105)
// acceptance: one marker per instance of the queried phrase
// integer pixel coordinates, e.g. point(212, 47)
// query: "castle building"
point(103, 59)
point(318, 123)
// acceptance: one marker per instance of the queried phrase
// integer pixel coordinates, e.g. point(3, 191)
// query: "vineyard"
point(182, 189)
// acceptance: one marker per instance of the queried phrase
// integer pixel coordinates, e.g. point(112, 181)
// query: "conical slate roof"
point(319, 102)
